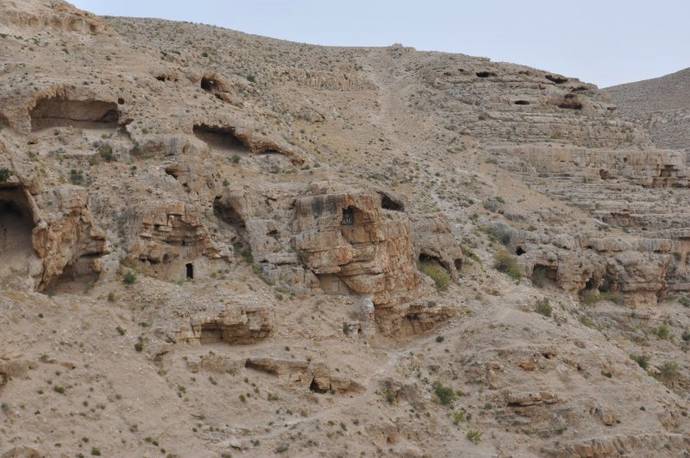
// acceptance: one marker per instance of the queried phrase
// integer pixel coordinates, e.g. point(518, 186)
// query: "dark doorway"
point(190, 270)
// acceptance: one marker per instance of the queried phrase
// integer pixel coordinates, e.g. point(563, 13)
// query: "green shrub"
point(436, 272)
point(663, 332)
point(5, 175)
point(446, 396)
point(641, 360)
point(668, 372)
point(106, 152)
point(474, 436)
point(506, 263)
point(543, 307)
point(130, 277)
point(499, 232)
point(686, 336)
point(76, 177)
point(458, 417)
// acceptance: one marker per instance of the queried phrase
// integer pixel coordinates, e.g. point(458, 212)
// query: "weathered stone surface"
point(235, 325)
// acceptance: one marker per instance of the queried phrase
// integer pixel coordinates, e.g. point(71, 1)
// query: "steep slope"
point(660, 104)
point(238, 246)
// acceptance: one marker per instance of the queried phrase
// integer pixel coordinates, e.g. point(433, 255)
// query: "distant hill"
point(661, 104)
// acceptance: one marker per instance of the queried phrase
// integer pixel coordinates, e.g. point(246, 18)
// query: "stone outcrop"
point(67, 239)
point(240, 325)
point(168, 238)
point(433, 239)
point(317, 377)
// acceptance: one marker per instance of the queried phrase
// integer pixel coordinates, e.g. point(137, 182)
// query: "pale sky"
point(605, 42)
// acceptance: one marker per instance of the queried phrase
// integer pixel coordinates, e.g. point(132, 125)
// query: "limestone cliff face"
point(213, 243)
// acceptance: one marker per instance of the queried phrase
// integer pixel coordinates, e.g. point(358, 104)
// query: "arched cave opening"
point(189, 271)
point(520, 251)
point(83, 114)
point(210, 333)
point(389, 202)
point(16, 226)
point(485, 74)
point(219, 137)
point(544, 275)
point(348, 216)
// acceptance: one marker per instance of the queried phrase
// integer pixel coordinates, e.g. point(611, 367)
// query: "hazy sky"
point(605, 42)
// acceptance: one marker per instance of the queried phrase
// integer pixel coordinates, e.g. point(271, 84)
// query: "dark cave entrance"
point(83, 114)
point(219, 137)
point(544, 275)
point(189, 270)
point(16, 226)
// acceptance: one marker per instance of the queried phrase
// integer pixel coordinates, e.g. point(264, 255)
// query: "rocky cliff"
point(218, 244)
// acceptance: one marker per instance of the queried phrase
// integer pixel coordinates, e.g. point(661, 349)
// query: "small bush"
point(685, 301)
point(499, 232)
point(106, 152)
point(458, 417)
point(446, 396)
point(437, 273)
point(663, 332)
point(544, 308)
point(668, 372)
point(641, 360)
point(474, 436)
point(5, 175)
point(95, 451)
point(686, 336)
point(76, 177)
point(59, 389)
point(129, 278)
point(506, 263)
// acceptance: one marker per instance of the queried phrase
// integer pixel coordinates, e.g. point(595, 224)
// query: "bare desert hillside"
point(214, 244)
point(662, 105)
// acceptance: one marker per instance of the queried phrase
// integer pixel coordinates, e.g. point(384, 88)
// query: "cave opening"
point(520, 251)
point(485, 74)
point(348, 216)
point(211, 333)
point(316, 388)
point(544, 275)
point(16, 226)
point(83, 114)
point(189, 271)
point(389, 202)
point(219, 137)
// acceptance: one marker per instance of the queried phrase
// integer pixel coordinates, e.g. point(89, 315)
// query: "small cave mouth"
point(521, 102)
point(228, 214)
point(570, 102)
point(604, 174)
point(389, 202)
point(219, 137)
point(189, 271)
point(211, 333)
point(427, 261)
point(16, 226)
point(348, 216)
point(213, 85)
point(485, 74)
point(458, 264)
point(4, 122)
point(556, 79)
point(83, 114)
point(520, 251)
point(314, 387)
point(544, 275)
